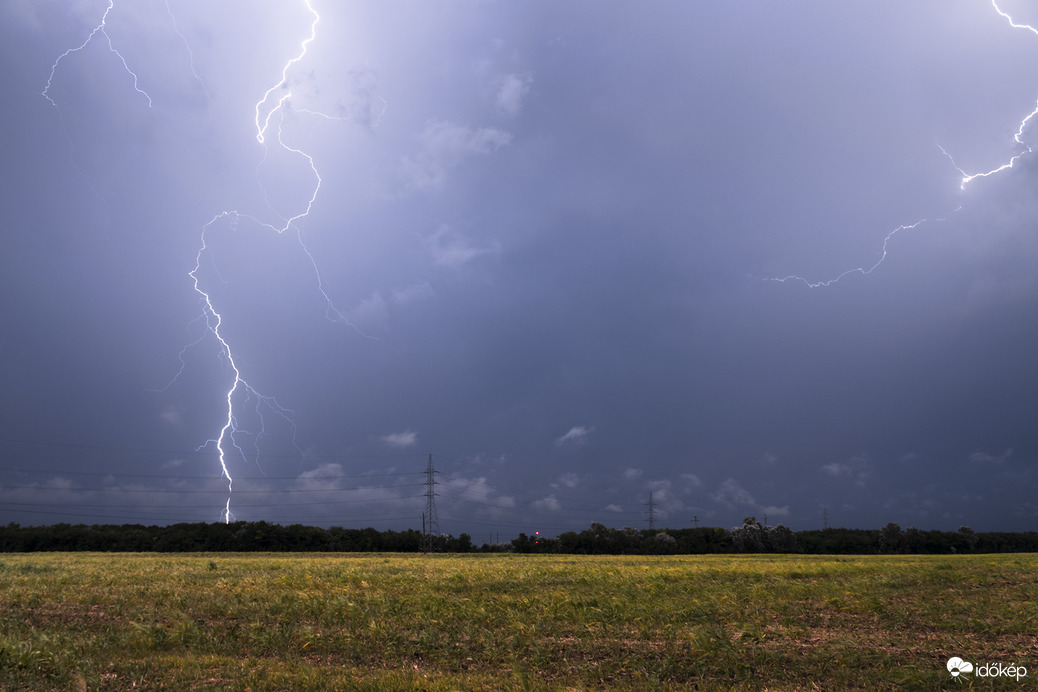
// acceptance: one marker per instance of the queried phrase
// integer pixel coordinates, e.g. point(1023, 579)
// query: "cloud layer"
point(535, 241)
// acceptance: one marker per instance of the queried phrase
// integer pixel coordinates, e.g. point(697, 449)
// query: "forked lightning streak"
point(966, 179)
point(269, 113)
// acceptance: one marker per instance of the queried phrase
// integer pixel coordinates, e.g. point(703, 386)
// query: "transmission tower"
point(431, 528)
point(652, 513)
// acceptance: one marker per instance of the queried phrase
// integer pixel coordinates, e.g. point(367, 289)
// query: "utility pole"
point(652, 513)
point(695, 521)
point(431, 525)
point(825, 517)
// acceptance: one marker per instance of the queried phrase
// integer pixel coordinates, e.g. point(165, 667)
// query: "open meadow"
point(443, 622)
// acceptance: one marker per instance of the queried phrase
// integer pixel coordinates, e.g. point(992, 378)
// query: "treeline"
point(751, 537)
point(238, 536)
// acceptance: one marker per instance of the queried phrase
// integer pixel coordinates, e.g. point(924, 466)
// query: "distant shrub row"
point(751, 537)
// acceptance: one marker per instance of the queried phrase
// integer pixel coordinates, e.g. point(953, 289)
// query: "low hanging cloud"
point(858, 468)
point(491, 504)
point(407, 438)
point(733, 495)
point(663, 497)
point(171, 416)
point(450, 248)
point(985, 458)
point(405, 295)
point(576, 435)
point(511, 92)
point(375, 311)
point(371, 312)
point(443, 146)
point(549, 504)
point(365, 106)
point(570, 480)
point(691, 480)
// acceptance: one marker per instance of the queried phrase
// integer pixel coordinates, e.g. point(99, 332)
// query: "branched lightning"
point(99, 29)
point(857, 270)
point(966, 179)
point(230, 429)
point(190, 53)
point(261, 129)
point(270, 112)
point(270, 109)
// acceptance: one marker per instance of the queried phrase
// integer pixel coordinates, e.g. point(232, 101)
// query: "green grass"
point(442, 622)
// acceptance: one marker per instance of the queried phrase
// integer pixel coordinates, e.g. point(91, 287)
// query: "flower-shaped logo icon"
point(956, 666)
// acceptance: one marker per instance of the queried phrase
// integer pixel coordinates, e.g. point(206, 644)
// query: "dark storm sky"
point(547, 231)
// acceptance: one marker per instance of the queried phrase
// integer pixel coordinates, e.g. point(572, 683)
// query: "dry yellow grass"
point(276, 621)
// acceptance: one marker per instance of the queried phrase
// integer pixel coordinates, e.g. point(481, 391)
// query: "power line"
point(205, 492)
point(179, 518)
point(193, 452)
point(501, 505)
point(240, 506)
point(65, 472)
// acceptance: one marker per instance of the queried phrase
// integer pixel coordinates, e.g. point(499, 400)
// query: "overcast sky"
point(536, 240)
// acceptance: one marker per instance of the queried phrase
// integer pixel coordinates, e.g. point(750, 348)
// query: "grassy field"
point(441, 622)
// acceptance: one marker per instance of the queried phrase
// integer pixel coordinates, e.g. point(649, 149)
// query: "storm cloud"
point(541, 250)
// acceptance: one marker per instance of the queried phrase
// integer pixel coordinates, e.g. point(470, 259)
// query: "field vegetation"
point(511, 621)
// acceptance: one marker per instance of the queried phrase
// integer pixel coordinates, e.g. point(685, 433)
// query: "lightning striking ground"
point(270, 112)
point(966, 179)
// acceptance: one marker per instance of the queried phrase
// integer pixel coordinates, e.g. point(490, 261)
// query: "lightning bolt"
point(966, 179)
point(230, 429)
point(190, 53)
point(857, 270)
point(99, 29)
point(270, 112)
